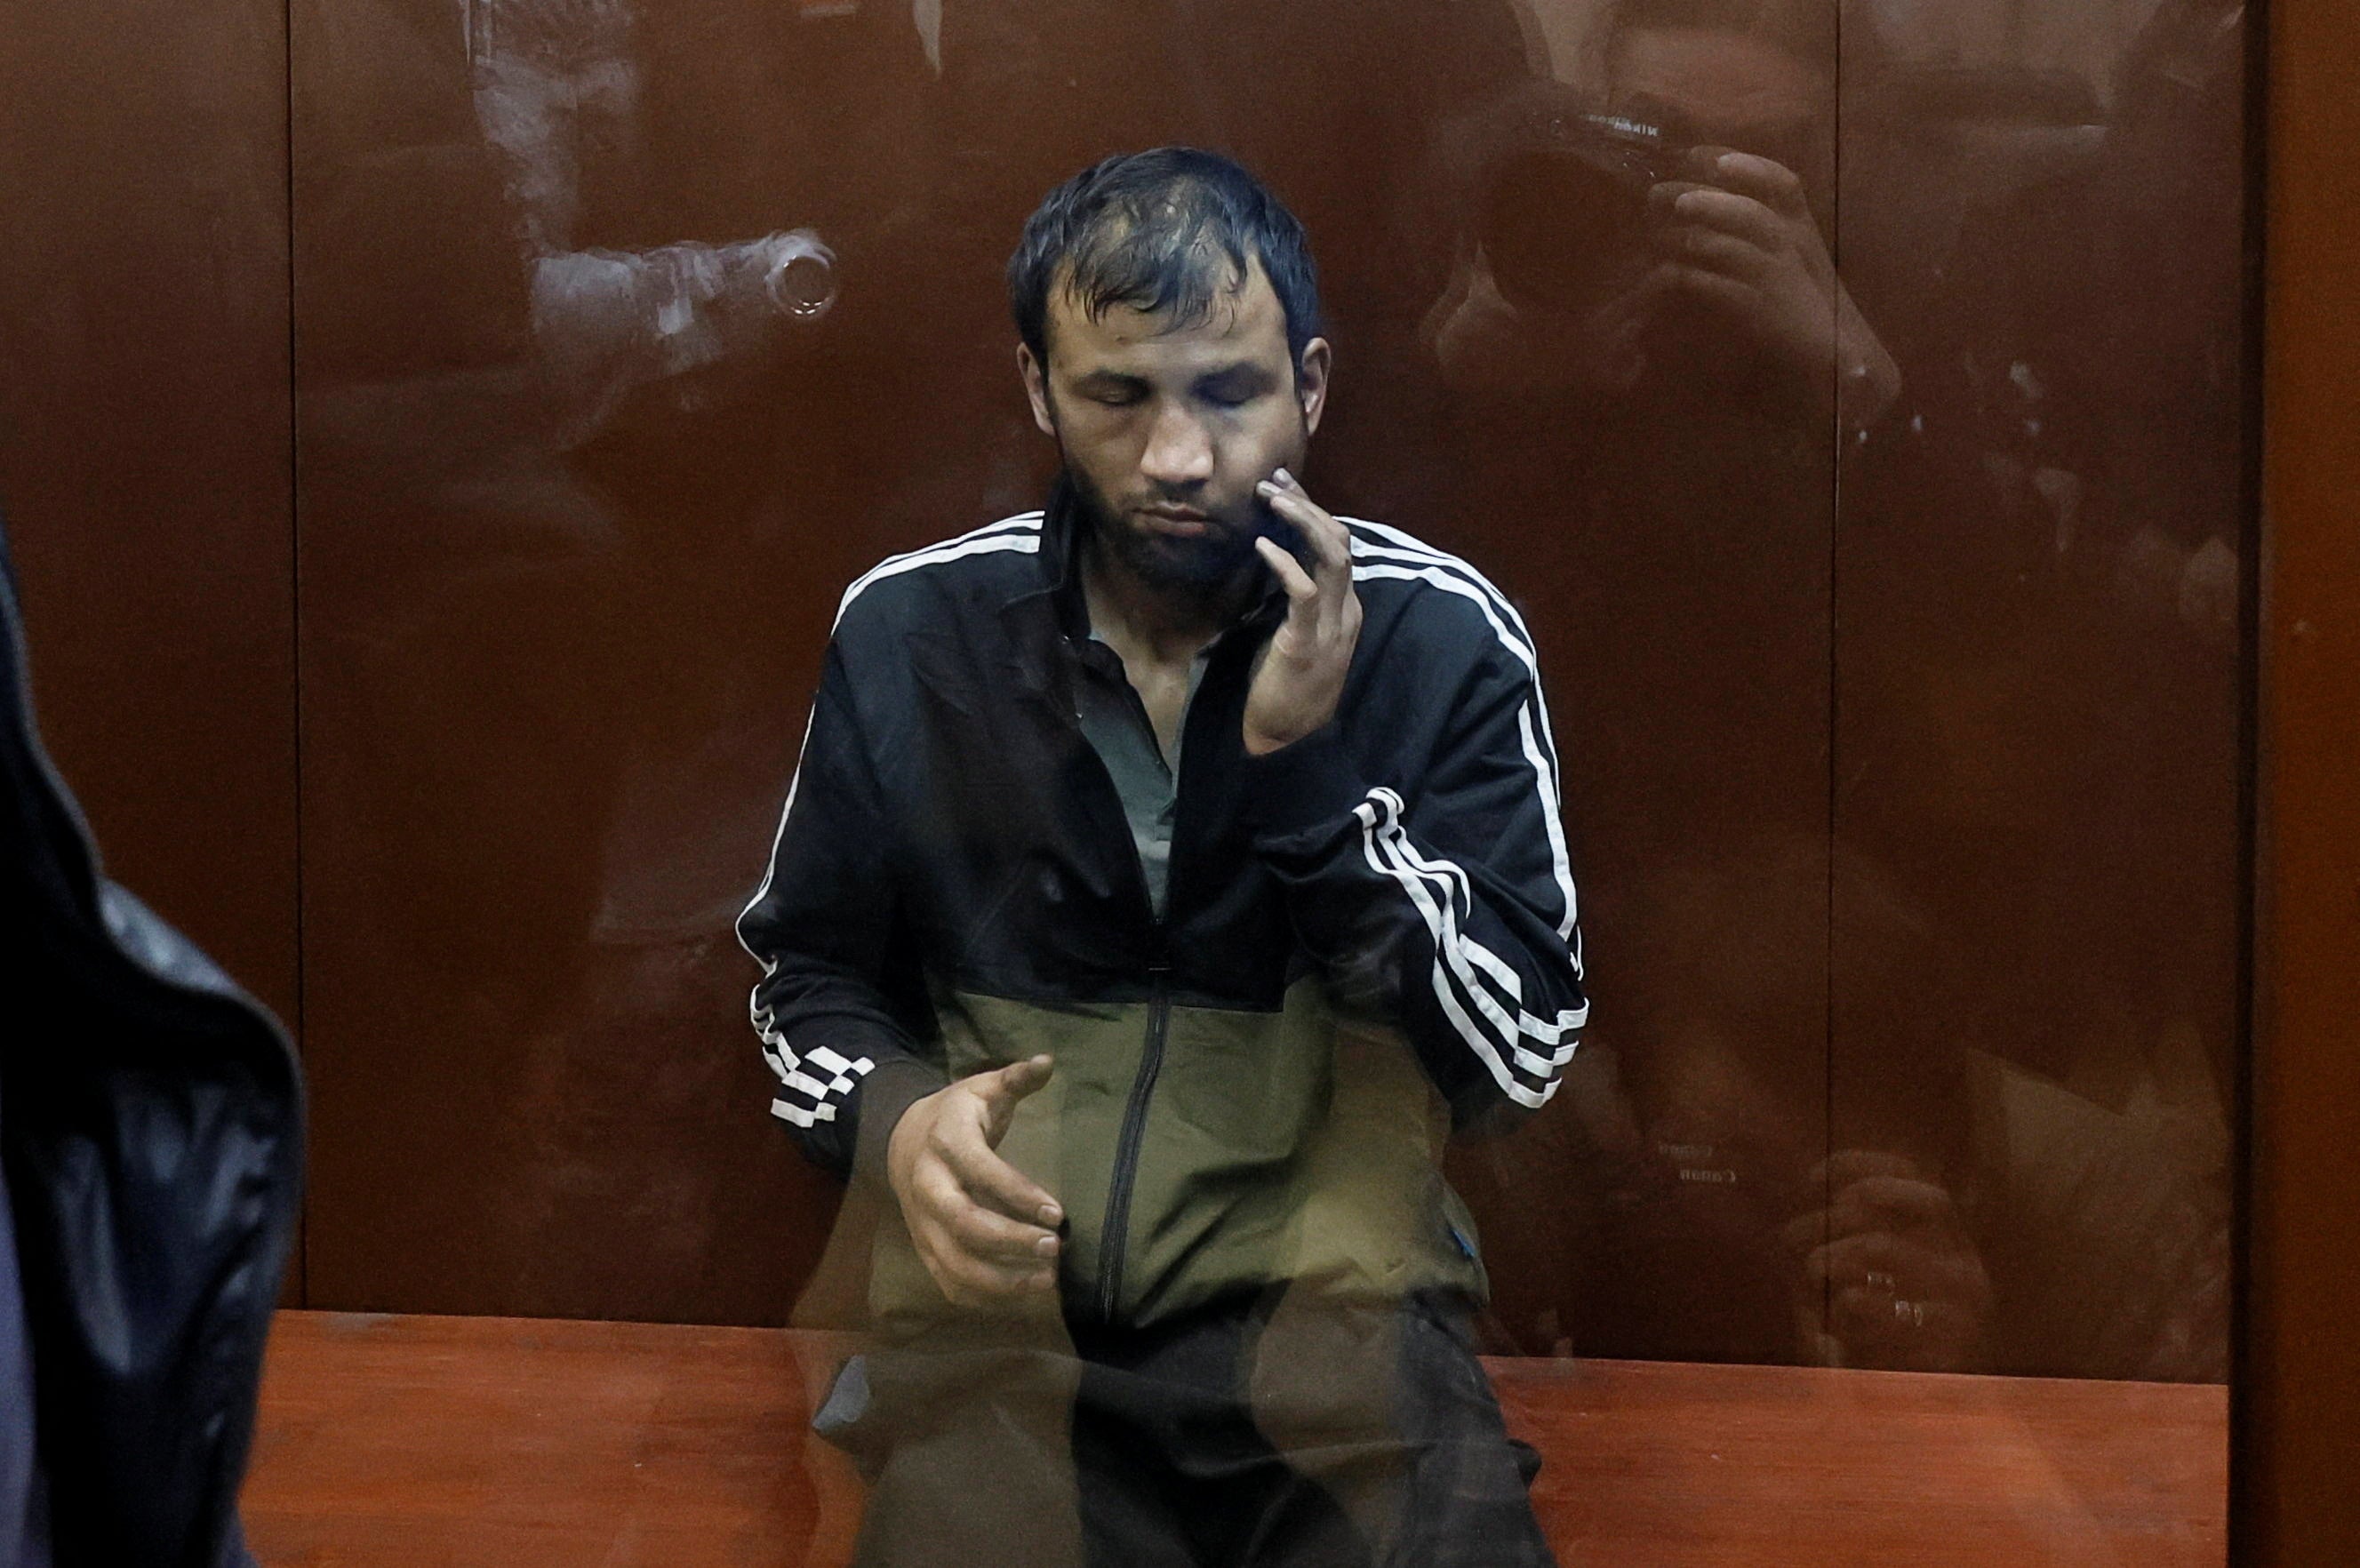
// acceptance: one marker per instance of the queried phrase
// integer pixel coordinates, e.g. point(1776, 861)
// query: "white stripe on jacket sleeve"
point(1408, 561)
point(810, 1100)
point(1490, 1018)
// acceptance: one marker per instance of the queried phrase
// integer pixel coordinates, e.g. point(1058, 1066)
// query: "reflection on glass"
point(1661, 224)
point(1841, 402)
point(2044, 670)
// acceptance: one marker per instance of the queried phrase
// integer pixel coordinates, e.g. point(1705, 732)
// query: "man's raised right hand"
point(987, 1231)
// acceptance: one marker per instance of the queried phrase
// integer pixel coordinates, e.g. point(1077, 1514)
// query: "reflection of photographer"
point(1596, 247)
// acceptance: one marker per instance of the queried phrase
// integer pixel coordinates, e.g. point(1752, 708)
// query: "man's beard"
point(1204, 567)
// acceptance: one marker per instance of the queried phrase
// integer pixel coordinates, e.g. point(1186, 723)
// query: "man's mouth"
point(1177, 522)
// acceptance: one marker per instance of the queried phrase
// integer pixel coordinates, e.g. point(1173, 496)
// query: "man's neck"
point(1140, 618)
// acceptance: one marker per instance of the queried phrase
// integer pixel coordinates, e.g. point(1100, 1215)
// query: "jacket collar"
point(1063, 528)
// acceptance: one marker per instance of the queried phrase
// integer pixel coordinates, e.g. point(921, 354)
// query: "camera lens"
point(1560, 227)
point(1566, 224)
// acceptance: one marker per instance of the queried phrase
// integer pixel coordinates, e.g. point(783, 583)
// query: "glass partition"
point(1835, 409)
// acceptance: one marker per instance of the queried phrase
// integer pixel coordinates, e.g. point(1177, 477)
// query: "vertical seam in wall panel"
point(2244, 1543)
point(1835, 525)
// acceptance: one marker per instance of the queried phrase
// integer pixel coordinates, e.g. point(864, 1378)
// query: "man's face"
point(1165, 431)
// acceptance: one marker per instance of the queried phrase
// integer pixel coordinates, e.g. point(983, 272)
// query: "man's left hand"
point(1302, 674)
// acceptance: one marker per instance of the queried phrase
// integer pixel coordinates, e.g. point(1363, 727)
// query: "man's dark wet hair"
point(1160, 231)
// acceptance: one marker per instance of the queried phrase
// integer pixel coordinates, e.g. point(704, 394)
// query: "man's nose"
point(1179, 452)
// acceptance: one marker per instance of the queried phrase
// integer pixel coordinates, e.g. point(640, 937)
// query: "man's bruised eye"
point(1109, 391)
point(1234, 391)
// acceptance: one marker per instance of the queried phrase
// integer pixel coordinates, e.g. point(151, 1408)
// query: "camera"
point(1563, 213)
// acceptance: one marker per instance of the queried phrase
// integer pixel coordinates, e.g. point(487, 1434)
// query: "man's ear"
point(1311, 381)
point(1036, 388)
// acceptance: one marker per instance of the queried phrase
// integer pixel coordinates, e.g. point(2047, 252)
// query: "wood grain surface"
point(409, 1442)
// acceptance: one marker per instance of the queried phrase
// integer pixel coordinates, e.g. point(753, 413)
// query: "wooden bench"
point(523, 1442)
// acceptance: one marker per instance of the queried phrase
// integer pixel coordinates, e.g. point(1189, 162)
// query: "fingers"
point(1876, 1259)
point(985, 1235)
point(1899, 1266)
point(962, 1142)
point(1711, 288)
point(1329, 582)
point(942, 1196)
point(1805, 1233)
point(1630, 311)
point(994, 1182)
point(1874, 1205)
point(1736, 236)
point(973, 1277)
point(984, 1230)
point(1732, 256)
point(1330, 543)
point(1889, 1201)
point(1018, 1079)
point(1703, 209)
point(1290, 576)
point(1299, 675)
point(1739, 214)
point(1766, 180)
point(1002, 1089)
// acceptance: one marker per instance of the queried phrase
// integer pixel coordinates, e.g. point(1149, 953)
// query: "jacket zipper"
point(1111, 1238)
point(1114, 1233)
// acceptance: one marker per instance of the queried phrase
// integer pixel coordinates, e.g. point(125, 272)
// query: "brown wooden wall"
point(146, 445)
point(146, 450)
point(1901, 761)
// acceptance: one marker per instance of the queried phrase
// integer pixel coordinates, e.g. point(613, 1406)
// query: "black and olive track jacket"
point(1370, 933)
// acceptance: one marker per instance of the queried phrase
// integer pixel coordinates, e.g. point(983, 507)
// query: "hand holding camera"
point(1736, 234)
point(1606, 221)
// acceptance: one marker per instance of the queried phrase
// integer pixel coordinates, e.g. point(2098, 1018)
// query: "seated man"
point(1166, 874)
